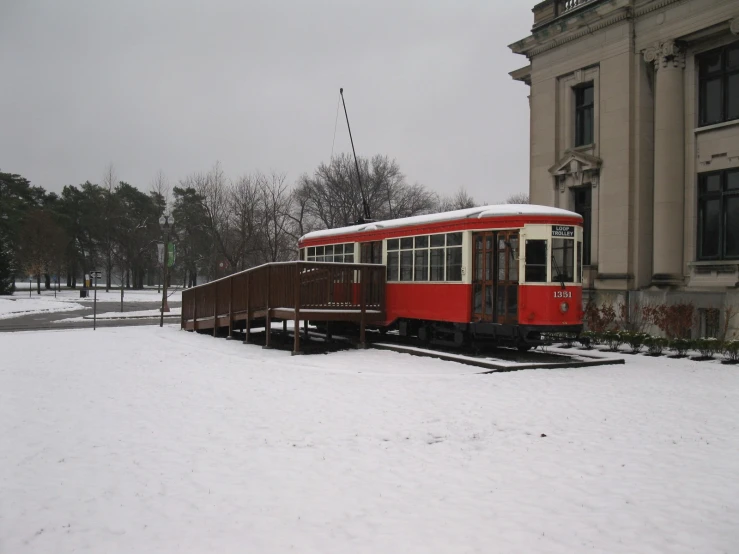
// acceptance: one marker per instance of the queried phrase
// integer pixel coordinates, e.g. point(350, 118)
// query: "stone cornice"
point(734, 26)
point(541, 41)
point(522, 74)
point(531, 46)
point(654, 6)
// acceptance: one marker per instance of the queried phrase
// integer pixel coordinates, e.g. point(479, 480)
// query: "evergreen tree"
point(7, 282)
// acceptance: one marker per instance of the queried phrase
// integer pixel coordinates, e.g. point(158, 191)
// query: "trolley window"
point(563, 260)
point(425, 258)
point(392, 266)
point(337, 253)
point(536, 261)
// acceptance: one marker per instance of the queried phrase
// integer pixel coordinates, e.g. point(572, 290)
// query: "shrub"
point(681, 346)
point(586, 339)
point(613, 339)
point(708, 346)
point(731, 351)
point(568, 339)
point(655, 345)
point(674, 320)
point(634, 339)
point(599, 319)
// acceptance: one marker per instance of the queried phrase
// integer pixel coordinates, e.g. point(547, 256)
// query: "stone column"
point(669, 161)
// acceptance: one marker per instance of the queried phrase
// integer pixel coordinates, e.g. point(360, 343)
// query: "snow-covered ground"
point(142, 439)
point(16, 306)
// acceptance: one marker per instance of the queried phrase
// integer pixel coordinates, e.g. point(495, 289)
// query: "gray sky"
point(177, 85)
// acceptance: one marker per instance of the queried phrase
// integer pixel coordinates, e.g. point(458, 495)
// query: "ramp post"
point(296, 320)
point(231, 308)
point(247, 326)
point(362, 305)
point(215, 309)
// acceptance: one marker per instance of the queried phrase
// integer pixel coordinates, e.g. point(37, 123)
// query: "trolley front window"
point(563, 260)
point(536, 261)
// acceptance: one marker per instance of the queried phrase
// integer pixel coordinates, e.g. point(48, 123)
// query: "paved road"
point(45, 321)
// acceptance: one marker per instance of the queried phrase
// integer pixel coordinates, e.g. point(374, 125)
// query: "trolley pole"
point(365, 206)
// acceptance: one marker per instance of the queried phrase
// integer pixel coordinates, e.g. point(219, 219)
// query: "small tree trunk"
point(47, 281)
point(38, 283)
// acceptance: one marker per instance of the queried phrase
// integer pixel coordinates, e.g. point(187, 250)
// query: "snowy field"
point(142, 439)
point(16, 306)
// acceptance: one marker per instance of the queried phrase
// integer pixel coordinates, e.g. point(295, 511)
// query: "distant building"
point(635, 125)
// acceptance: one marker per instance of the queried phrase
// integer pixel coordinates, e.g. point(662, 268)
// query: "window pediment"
point(575, 169)
point(574, 162)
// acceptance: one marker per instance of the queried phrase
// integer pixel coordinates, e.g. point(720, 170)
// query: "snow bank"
point(14, 306)
point(142, 439)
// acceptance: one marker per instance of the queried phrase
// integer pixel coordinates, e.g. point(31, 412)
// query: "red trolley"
point(506, 273)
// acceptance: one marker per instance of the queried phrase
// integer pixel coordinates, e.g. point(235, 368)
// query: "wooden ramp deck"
point(287, 291)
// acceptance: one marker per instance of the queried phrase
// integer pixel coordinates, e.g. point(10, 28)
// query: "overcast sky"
point(177, 85)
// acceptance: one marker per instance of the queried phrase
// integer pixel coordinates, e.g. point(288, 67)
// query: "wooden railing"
point(287, 291)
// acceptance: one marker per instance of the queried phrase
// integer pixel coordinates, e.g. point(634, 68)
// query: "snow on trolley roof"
point(480, 212)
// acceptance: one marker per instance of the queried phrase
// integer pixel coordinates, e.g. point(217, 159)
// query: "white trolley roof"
point(480, 212)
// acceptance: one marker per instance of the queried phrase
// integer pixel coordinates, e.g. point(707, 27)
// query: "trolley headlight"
point(563, 307)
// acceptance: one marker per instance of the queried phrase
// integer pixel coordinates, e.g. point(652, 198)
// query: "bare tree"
point(213, 188)
point(160, 189)
point(518, 198)
point(110, 180)
point(244, 199)
point(458, 201)
point(278, 243)
point(332, 197)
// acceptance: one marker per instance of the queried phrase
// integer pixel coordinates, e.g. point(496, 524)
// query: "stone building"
point(635, 125)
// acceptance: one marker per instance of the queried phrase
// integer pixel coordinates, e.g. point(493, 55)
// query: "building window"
point(425, 258)
point(718, 72)
point(584, 108)
point(583, 206)
point(718, 215)
point(709, 322)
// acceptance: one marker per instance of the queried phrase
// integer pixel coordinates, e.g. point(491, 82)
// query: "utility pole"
point(165, 222)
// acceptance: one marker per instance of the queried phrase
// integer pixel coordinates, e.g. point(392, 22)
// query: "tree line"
point(221, 225)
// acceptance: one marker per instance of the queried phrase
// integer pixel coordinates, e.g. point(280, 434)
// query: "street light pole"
point(165, 221)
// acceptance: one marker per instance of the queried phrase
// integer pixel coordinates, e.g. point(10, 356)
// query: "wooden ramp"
point(288, 291)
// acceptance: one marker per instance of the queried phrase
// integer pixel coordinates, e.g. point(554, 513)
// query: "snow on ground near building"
point(156, 440)
point(16, 306)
